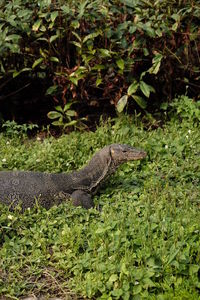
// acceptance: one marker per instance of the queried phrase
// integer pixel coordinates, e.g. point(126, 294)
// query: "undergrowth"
point(143, 243)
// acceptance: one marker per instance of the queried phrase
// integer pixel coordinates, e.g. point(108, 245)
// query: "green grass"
point(145, 242)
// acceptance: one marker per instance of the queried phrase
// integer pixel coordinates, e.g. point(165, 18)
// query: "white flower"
point(4, 160)
point(38, 138)
point(187, 136)
point(10, 217)
point(7, 143)
point(189, 131)
point(166, 146)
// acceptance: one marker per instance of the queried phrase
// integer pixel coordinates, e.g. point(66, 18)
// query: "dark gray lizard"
point(27, 187)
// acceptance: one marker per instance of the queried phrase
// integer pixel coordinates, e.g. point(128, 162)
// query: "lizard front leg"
point(81, 198)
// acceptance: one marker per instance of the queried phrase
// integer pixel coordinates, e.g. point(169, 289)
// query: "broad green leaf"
point(24, 13)
point(54, 115)
point(140, 101)
point(68, 105)
point(81, 69)
point(57, 123)
point(43, 39)
point(14, 48)
point(82, 6)
point(44, 15)
point(173, 254)
point(53, 38)
point(150, 31)
point(26, 69)
point(74, 122)
point(176, 17)
point(13, 37)
point(16, 73)
point(43, 53)
point(132, 88)
point(117, 293)
point(36, 25)
point(120, 64)
point(73, 80)
point(2, 67)
point(148, 282)
point(37, 62)
point(76, 35)
point(124, 269)
point(65, 8)
point(43, 28)
point(100, 230)
point(98, 81)
point(164, 106)
point(75, 24)
point(131, 3)
point(136, 289)
point(71, 113)
point(193, 269)
point(76, 44)
point(142, 75)
point(54, 59)
point(132, 29)
point(155, 68)
point(122, 103)
point(91, 36)
point(145, 51)
point(105, 52)
point(11, 20)
point(51, 90)
point(59, 108)
point(156, 61)
point(113, 278)
point(54, 15)
point(146, 88)
point(175, 26)
point(98, 67)
point(158, 57)
point(159, 32)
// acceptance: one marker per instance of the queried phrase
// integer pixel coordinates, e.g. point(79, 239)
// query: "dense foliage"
point(143, 244)
point(97, 52)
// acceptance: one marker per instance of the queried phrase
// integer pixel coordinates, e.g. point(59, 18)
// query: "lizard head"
point(121, 153)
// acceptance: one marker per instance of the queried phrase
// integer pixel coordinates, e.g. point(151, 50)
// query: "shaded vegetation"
point(96, 53)
point(143, 244)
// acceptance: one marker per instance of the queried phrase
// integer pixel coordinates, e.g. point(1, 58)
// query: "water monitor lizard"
point(25, 187)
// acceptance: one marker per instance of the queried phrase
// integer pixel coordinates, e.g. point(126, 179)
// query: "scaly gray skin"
point(27, 187)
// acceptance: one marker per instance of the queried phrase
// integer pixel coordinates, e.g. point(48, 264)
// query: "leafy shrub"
point(94, 50)
point(186, 108)
point(64, 117)
point(12, 129)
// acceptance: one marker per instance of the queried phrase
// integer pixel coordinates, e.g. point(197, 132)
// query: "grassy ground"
point(144, 244)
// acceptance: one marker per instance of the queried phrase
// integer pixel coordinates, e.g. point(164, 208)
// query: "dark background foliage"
point(94, 53)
